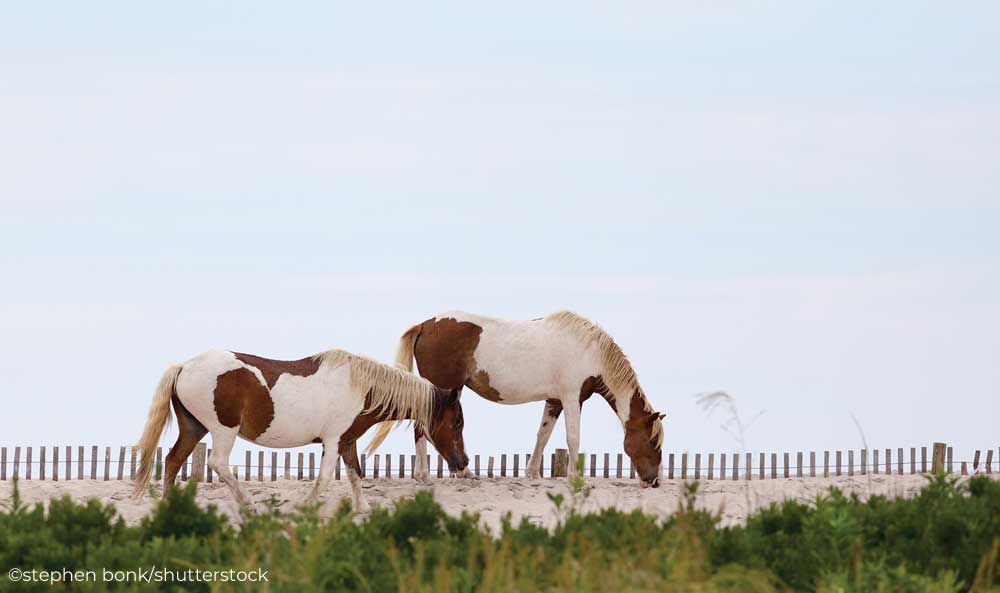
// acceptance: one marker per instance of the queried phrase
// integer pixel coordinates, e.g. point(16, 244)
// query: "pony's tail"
point(404, 360)
point(404, 352)
point(156, 420)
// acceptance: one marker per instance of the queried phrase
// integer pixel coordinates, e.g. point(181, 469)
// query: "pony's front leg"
point(222, 446)
point(421, 473)
point(553, 408)
point(349, 453)
point(573, 435)
point(328, 463)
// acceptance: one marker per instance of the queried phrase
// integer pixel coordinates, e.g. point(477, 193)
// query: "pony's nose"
point(656, 482)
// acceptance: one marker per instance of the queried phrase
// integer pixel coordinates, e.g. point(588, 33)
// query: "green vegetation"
point(946, 539)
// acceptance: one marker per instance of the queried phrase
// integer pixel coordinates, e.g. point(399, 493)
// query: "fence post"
point(670, 466)
point(812, 464)
point(17, 462)
point(55, 463)
point(3, 463)
point(79, 462)
point(274, 466)
point(684, 466)
point(838, 462)
point(260, 465)
point(749, 470)
point(197, 461)
point(697, 466)
point(937, 458)
point(965, 469)
point(593, 464)
point(159, 463)
point(899, 461)
point(798, 464)
point(888, 462)
point(489, 467)
point(440, 471)
point(950, 466)
point(774, 465)
point(131, 466)
point(208, 468)
point(722, 466)
point(27, 468)
point(107, 463)
point(288, 466)
point(864, 461)
point(618, 469)
point(246, 466)
point(784, 465)
point(476, 458)
point(312, 465)
point(561, 467)
point(364, 465)
point(41, 463)
point(711, 464)
point(850, 462)
point(975, 462)
point(388, 466)
point(121, 462)
point(298, 472)
point(826, 464)
point(913, 460)
point(923, 460)
point(402, 465)
point(375, 467)
point(989, 461)
point(607, 464)
point(336, 467)
point(760, 470)
point(736, 466)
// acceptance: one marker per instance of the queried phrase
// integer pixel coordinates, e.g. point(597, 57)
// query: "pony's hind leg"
point(190, 432)
point(222, 445)
point(349, 453)
point(553, 408)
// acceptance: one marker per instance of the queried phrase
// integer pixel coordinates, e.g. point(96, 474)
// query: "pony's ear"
point(656, 416)
point(661, 416)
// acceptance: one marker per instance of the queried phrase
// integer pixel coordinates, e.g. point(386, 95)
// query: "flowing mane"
point(392, 391)
point(617, 372)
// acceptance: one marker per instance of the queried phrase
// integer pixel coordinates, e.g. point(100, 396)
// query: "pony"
point(330, 398)
point(561, 359)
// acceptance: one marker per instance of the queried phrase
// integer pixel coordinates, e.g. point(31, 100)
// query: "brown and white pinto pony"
point(330, 398)
point(561, 359)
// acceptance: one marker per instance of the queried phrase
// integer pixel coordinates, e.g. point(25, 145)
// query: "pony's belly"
point(306, 409)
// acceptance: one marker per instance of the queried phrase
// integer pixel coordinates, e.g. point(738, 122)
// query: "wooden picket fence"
point(684, 466)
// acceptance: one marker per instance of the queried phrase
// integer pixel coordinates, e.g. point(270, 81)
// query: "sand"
point(492, 498)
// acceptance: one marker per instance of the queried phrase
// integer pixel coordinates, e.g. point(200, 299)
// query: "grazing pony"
point(330, 398)
point(561, 359)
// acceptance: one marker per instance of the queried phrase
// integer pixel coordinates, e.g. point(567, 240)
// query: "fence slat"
point(503, 465)
point(975, 462)
point(899, 461)
point(260, 466)
point(785, 465)
point(274, 466)
point(826, 464)
point(197, 462)
point(246, 467)
point(684, 466)
point(618, 469)
point(749, 471)
point(288, 466)
point(593, 464)
point(312, 465)
point(607, 464)
point(888, 462)
point(736, 466)
point(476, 460)
point(951, 468)
point(489, 467)
point(27, 468)
point(697, 466)
point(774, 466)
point(336, 468)
point(923, 460)
point(875, 469)
point(850, 462)
point(41, 463)
point(760, 470)
point(79, 462)
point(402, 466)
point(121, 463)
point(440, 468)
point(184, 470)
point(913, 460)
point(722, 466)
point(298, 471)
point(711, 465)
point(798, 464)
point(159, 463)
point(208, 469)
point(131, 467)
point(965, 469)
point(517, 465)
point(864, 461)
point(989, 461)
point(375, 467)
point(838, 462)
point(107, 463)
point(388, 465)
point(55, 464)
point(937, 457)
point(17, 462)
point(812, 464)
point(3, 463)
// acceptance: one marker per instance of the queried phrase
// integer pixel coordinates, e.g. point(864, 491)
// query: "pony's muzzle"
point(654, 483)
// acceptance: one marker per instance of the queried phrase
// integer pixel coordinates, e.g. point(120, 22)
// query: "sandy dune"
point(491, 498)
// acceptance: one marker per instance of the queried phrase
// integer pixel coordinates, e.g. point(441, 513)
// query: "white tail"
point(404, 360)
point(156, 420)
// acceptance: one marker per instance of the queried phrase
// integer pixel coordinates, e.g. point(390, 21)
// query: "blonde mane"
point(616, 370)
point(391, 390)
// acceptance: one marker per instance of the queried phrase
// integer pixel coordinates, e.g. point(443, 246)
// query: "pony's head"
point(445, 430)
point(644, 445)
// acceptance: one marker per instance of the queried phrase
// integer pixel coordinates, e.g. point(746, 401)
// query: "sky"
point(795, 203)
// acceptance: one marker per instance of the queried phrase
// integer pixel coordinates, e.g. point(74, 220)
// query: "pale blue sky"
point(794, 202)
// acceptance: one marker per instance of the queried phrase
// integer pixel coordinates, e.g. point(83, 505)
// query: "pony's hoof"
point(532, 475)
point(422, 479)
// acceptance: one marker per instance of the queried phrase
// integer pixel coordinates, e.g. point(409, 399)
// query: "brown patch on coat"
point(553, 408)
point(241, 399)
point(595, 384)
point(480, 383)
point(646, 457)
point(273, 369)
point(445, 351)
